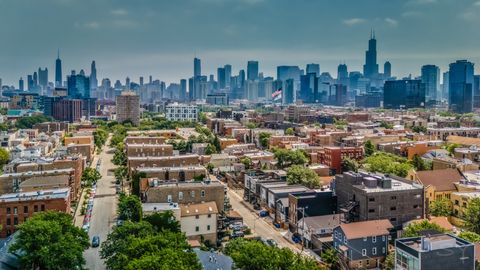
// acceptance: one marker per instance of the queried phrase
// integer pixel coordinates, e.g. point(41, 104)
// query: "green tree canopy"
point(129, 208)
point(49, 240)
point(349, 164)
point(254, 255)
point(163, 221)
point(29, 121)
point(264, 137)
point(100, 136)
point(298, 174)
point(387, 163)
point(289, 131)
point(470, 236)
point(119, 156)
point(419, 164)
point(415, 228)
point(369, 148)
point(287, 157)
point(4, 157)
point(441, 208)
point(472, 215)
point(90, 176)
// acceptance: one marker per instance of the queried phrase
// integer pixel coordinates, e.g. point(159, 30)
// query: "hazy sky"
point(161, 37)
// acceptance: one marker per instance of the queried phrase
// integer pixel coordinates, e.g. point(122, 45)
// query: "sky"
point(161, 37)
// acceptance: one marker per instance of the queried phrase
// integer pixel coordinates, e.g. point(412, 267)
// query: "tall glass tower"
point(58, 71)
point(370, 69)
point(461, 86)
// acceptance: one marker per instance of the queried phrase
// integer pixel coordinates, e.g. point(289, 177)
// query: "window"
point(43, 207)
point(393, 219)
point(197, 216)
point(360, 264)
point(456, 202)
point(202, 193)
point(197, 228)
point(25, 209)
point(374, 251)
point(209, 215)
point(393, 208)
point(374, 239)
point(180, 195)
point(208, 227)
point(15, 210)
point(383, 238)
point(9, 222)
point(35, 208)
point(371, 210)
point(192, 193)
point(364, 239)
point(383, 250)
point(371, 199)
point(8, 210)
point(367, 263)
point(15, 221)
point(393, 197)
point(169, 198)
point(364, 252)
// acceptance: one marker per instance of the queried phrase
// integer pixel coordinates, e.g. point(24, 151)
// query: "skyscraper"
point(252, 70)
point(197, 67)
point(445, 85)
point(228, 75)
point(387, 70)
point(43, 78)
point(308, 87)
point(342, 74)
point(78, 86)
point(404, 94)
point(93, 77)
point(461, 87)
point(21, 84)
point(431, 79)
point(58, 71)
point(289, 91)
point(476, 91)
point(370, 69)
point(313, 68)
point(221, 78)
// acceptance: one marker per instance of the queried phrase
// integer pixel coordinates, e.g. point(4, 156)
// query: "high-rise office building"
point(128, 107)
point(197, 67)
point(308, 87)
point(30, 83)
point(141, 80)
point(58, 71)
point(67, 110)
point(404, 94)
point(93, 77)
point(21, 85)
point(461, 87)
point(313, 68)
point(252, 70)
point(370, 69)
point(228, 75)
point(288, 72)
point(288, 94)
point(183, 89)
point(476, 91)
point(221, 78)
point(342, 74)
point(445, 85)
point(431, 79)
point(387, 70)
point(78, 86)
point(43, 78)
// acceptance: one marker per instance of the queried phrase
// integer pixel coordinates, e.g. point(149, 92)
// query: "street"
point(258, 225)
point(104, 208)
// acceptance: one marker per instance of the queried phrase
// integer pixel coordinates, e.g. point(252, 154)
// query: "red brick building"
point(16, 208)
point(332, 156)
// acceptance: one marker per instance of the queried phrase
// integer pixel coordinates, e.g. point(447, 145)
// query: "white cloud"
point(88, 25)
point(353, 21)
point(391, 21)
point(476, 4)
point(119, 12)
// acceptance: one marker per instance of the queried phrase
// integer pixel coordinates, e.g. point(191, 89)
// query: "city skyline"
point(431, 41)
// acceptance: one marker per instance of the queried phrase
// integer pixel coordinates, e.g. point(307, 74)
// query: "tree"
point(90, 176)
point(286, 157)
point(130, 208)
point(470, 236)
point(30, 121)
point(136, 182)
point(369, 148)
point(289, 131)
point(263, 138)
point(100, 136)
point(414, 229)
point(386, 125)
point(330, 257)
point(121, 172)
point(441, 208)
point(163, 221)
point(4, 157)
point(349, 164)
point(298, 174)
point(247, 162)
point(472, 216)
point(419, 129)
point(251, 125)
point(451, 148)
point(216, 143)
point(389, 263)
point(49, 240)
point(203, 117)
point(387, 163)
point(210, 149)
point(210, 167)
point(120, 157)
point(254, 255)
point(419, 164)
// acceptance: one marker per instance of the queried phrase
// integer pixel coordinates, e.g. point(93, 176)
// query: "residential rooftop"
point(434, 242)
point(61, 193)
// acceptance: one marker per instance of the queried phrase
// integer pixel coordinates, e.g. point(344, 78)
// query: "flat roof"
point(434, 242)
point(61, 193)
point(152, 207)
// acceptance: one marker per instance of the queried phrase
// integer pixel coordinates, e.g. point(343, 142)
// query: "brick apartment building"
point(170, 161)
point(181, 174)
point(16, 208)
point(332, 156)
point(148, 150)
point(145, 140)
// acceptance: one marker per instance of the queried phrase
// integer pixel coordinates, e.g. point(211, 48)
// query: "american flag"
point(276, 93)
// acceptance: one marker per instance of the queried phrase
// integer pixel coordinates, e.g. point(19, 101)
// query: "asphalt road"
point(104, 209)
point(259, 226)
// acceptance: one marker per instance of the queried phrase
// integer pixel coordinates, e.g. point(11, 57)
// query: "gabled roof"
point(369, 228)
point(442, 180)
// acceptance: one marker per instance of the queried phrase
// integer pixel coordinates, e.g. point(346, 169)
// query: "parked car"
point(96, 241)
point(263, 213)
point(271, 242)
point(236, 234)
point(86, 227)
